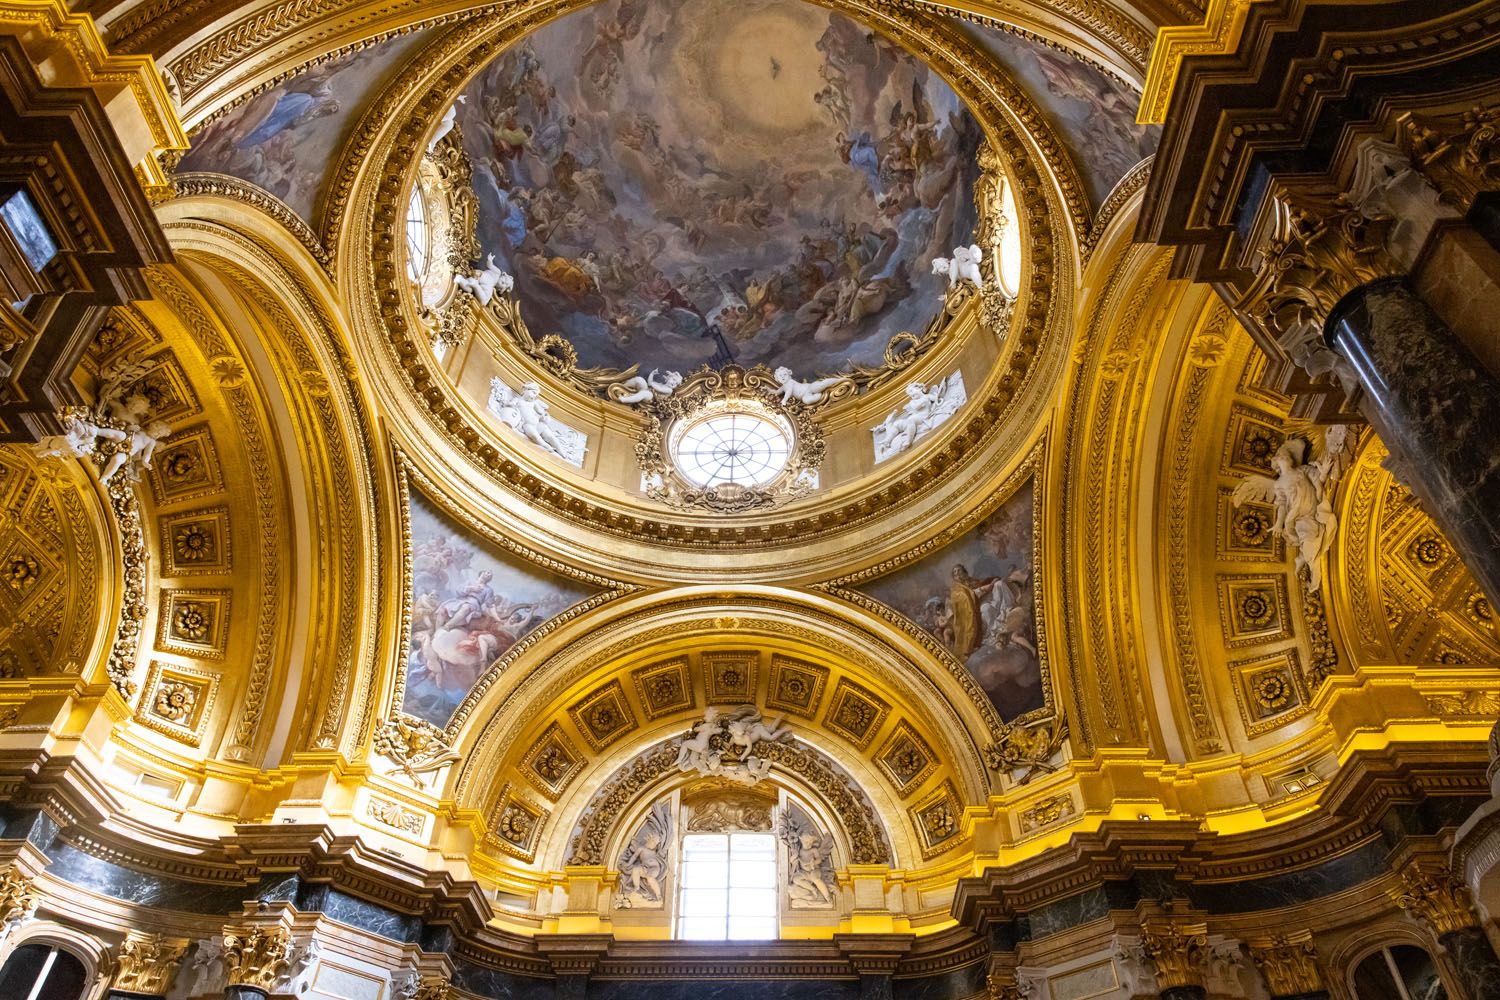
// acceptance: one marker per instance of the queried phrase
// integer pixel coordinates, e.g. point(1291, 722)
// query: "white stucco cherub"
point(807, 393)
point(962, 266)
point(483, 284)
point(638, 389)
point(446, 125)
point(1302, 493)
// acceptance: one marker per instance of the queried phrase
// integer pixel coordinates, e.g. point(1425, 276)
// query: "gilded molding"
point(210, 185)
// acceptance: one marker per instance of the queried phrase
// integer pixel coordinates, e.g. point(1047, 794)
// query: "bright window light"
point(416, 237)
point(728, 887)
point(735, 447)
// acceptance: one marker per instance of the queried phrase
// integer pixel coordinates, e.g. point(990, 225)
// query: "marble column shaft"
point(244, 993)
point(1190, 992)
point(875, 987)
point(1435, 407)
point(571, 987)
point(1471, 953)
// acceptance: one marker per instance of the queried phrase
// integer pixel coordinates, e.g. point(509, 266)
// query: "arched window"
point(41, 972)
point(1398, 972)
point(729, 887)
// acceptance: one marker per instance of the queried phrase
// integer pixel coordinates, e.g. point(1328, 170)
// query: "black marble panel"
point(725, 989)
point(1070, 912)
point(1475, 960)
point(499, 985)
point(144, 888)
point(402, 927)
point(1004, 936)
point(1300, 886)
point(436, 938)
point(955, 984)
point(32, 825)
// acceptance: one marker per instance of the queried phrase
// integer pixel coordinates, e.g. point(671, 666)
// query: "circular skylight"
point(736, 448)
point(416, 237)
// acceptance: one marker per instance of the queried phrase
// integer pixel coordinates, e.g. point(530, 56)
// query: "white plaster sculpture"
point(806, 393)
point(927, 407)
point(446, 125)
point(526, 413)
point(809, 856)
point(1386, 186)
point(119, 420)
point(1302, 493)
point(643, 862)
point(962, 266)
point(483, 284)
point(205, 973)
point(732, 755)
point(302, 962)
point(642, 390)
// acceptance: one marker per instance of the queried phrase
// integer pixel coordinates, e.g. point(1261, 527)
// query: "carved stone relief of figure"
point(1302, 493)
point(118, 432)
point(644, 861)
point(527, 414)
point(723, 745)
point(809, 861)
point(723, 811)
point(926, 408)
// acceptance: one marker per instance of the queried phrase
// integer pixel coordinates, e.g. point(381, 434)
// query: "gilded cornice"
point(196, 185)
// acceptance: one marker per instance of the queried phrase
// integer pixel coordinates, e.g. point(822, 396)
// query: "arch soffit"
point(241, 290)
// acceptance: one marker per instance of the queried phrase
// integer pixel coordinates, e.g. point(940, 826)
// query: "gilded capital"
point(255, 956)
point(18, 896)
point(1289, 963)
point(1459, 154)
point(1004, 984)
point(1311, 253)
point(420, 987)
point(148, 963)
point(1176, 952)
point(1436, 897)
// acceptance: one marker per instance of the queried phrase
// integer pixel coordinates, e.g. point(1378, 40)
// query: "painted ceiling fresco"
point(1092, 114)
point(976, 596)
point(471, 601)
point(684, 184)
point(288, 139)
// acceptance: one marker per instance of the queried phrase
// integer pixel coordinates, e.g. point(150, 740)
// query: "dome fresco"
point(757, 182)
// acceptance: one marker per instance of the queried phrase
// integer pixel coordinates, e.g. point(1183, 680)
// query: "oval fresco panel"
point(757, 181)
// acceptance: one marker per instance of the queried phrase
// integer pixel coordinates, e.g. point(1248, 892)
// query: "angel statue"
point(695, 748)
point(482, 284)
point(962, 266)
point(926, 407)
point(528, 415)
point(807, 393)
point(1302, 493)
point(644, 861)
point(642, 390)
point(446, 125)
point(809, 855)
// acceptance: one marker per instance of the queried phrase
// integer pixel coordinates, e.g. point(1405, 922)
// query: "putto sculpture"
point(527, 414)
point(638, 389)
point(118, 432)
point(962, 266)
point(927, 406)
point(807, 393)
point(809, 857)
point(483, 284)
point(724, 745)
point(1302, 493)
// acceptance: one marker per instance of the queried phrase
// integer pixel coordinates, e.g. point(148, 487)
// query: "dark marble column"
point(571, 987)
point(875, 987)
point(1470, 952)
point(1435, 407)
point(1184, 993)
point(244, 993)
point(124, 995)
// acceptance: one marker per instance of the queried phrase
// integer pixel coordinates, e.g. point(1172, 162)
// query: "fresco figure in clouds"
point(764, 182)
